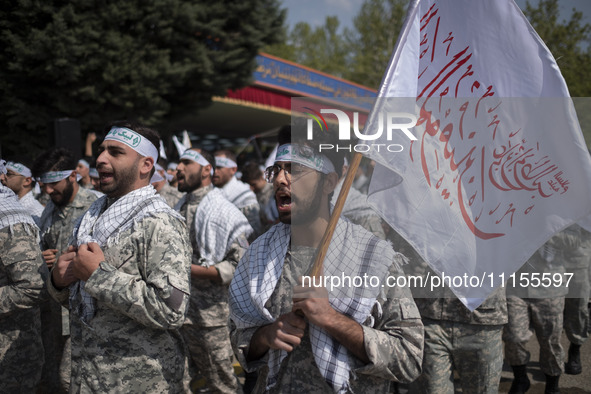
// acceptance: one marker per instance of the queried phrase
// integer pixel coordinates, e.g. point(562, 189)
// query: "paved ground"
point(569, 384)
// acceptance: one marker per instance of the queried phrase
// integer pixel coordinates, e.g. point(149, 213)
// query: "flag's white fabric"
point(489, 179)
point(162, 151)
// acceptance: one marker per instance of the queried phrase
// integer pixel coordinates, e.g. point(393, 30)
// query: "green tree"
point(376, 30)
point(567, 41)
point(322, 48)
point(148, 60)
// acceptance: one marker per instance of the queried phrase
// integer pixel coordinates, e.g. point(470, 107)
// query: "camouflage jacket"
point(394, 344)
point(132, 344)
point(22, 288)
point(170, 194)
point(548, 261)
point(209, 299)
point(62, 220)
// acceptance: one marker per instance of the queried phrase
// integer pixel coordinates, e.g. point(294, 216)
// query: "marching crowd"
point(130, 274)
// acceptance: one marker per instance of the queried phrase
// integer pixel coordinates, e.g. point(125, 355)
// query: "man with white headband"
point(237, 192)
point(19, 179)
point(55, 169)
point(300, 338)
point(218, 232)
point(22, 289)
point(170, 194)
point(126, 276)
point(83, 171)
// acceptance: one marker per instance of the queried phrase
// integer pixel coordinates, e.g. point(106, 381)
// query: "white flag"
point(180, 147)
point(499, 163)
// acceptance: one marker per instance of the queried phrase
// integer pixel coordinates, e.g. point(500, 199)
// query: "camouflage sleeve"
point(22, 269)
point(227, 267)
point(61, 296)
point(567, 240)
point(158, 298)
point(240, 338)
point(395, 343)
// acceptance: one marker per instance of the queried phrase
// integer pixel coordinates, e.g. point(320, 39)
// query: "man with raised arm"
point(126, 276)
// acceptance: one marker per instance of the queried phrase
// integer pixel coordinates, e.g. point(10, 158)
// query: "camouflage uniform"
point(540, 308)
point(55, 319)
point(22, 287)
point(576, 310)
point(456, 339)
point(264, 197)
point(393, 345)
point(206, 326)
point(170, 194)
point(132, 344)
point(467, 342)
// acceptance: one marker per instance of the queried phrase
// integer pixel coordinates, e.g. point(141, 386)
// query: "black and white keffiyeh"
point(352, 251)
point(104, 229)
point(11, 211)
point(239, 193)
point(218, 223)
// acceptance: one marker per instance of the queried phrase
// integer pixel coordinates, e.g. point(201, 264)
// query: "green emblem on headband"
point(126, 136)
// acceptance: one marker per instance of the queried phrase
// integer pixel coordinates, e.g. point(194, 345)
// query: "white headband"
point(84, 163)
point(156, 177)
point(93, 173)
point(172, 166)
point(224, 162)
point(2, 166)
point(19, 168)
point(193, 155)
point(54, 176)
point(135, 141)
point(305, 156)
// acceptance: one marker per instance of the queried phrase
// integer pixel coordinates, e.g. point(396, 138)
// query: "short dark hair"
point(228, 153)
point(251, 172)
point(56, 159)
point(150, 134)
point(208, 156)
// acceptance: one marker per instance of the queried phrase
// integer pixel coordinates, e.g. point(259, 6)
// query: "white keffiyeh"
point(11, 211)
point(353, 251)
point(218, 223)
point(104, 229)
point(239, 193)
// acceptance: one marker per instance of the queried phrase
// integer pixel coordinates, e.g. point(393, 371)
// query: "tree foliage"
point(148, 60)
point(371, 44)
point(567, 41)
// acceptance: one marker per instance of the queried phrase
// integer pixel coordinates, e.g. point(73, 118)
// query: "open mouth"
point(283, 202)
point(105, 177)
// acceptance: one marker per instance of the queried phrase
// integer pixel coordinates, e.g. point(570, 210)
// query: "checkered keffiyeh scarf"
point(239, 193)
point(352, 251)
point(218, 223)
point(104, 229)
point(11, 210)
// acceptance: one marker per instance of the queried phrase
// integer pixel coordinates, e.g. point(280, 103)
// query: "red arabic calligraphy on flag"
point(500, 164)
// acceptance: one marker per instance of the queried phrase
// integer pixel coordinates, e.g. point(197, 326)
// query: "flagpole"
point(316, 270)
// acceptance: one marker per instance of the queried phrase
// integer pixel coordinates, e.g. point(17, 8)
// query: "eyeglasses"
point(10, 174)
point(290, 169)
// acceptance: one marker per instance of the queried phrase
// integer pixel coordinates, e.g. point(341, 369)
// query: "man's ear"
point(27, 181)
point(331, 181)
point(72, 177)
point(205, 171)
point(147, 163)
